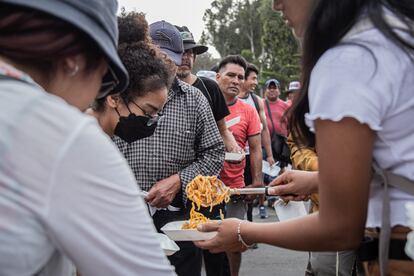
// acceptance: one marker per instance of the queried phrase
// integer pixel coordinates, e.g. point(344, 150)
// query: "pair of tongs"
point(250, 191)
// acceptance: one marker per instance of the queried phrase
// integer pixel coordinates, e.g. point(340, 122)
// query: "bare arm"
point(345, 157)
point(265, 134)
point(256, 160)
point(229, 142)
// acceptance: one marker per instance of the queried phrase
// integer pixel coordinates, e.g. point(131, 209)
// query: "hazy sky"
point(178, 12)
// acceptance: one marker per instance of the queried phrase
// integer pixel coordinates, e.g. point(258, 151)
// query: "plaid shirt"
point(186, 141)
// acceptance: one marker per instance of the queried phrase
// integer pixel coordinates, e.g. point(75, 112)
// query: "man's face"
point(272, 92)
point(187, 63)
point(250, 83)
point(230, 78)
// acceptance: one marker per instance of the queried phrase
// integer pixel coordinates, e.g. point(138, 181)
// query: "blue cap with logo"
point(272, 81)
point(168, 38)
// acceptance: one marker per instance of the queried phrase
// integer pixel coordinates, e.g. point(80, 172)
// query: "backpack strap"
point(388, 179)
point(270, 115)
point(205, 87)
point(255, 101)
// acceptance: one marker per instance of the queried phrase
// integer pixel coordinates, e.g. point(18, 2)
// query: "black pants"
point(215, 264)
point(187, 261)
point(248, 180)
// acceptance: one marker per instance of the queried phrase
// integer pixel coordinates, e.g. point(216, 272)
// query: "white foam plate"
point(168, 245)
point(233, 156)
point(173, 231)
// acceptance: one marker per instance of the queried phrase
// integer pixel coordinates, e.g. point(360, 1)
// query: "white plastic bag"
point(290, 210)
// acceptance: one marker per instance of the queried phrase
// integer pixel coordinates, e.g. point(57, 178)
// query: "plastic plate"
point(173, 231)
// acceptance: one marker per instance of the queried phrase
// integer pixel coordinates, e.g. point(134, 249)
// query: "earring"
point(74, 71)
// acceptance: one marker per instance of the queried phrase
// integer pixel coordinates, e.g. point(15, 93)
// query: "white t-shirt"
point(65, 190)
point(348, 81)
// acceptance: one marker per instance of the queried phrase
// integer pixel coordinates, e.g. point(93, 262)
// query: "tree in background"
point(250, 28)
point(204, 62)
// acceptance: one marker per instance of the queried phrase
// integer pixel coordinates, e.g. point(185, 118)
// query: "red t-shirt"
point(233, 174)
point(277, 109)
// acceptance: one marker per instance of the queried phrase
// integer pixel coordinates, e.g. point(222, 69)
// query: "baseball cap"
point(96, 18)
point(293, 86)
point(168, 38)
point(189, 42)
point(272, 81)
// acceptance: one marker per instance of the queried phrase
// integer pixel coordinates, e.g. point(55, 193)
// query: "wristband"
point(240, 237)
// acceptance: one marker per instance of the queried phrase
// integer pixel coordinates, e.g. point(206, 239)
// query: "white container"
point(168, 245)
point(233, 156)
point(291, 210)
point(270, 170)
point(175, 232)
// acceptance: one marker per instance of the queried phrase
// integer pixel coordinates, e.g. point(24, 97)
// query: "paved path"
point(269, 260)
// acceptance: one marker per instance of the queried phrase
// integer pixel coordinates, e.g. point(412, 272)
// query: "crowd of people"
point(96, 108)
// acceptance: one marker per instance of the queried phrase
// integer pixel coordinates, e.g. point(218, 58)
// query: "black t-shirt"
point(213, 94)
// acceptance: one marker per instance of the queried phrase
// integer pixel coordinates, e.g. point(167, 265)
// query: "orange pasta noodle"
point(195, 219)
point(206, 191)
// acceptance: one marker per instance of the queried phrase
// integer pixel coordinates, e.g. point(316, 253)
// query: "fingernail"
point(200, 227)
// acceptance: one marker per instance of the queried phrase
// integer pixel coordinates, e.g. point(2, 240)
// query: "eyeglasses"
point(152, 119)
point(109, 82)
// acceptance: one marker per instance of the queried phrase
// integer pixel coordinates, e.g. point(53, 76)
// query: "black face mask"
point(133, 128)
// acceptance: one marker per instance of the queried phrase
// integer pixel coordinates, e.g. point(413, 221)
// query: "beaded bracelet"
point(240, 237)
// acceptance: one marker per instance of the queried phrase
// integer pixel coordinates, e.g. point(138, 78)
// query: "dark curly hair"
point(148, 68)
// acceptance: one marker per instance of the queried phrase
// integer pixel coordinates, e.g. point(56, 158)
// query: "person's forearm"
point(266, 142)
point(228, 138)
point(256, 165)
point(229, 142)
point(315, 234)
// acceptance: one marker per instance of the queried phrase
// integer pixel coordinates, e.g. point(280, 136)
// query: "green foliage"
point(250, 28)
point(204, 62)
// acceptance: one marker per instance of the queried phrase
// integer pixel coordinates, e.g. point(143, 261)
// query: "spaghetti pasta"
point(206, 191)
point(195, 219)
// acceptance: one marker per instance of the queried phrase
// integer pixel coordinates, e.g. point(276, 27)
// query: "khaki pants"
point(326, 263)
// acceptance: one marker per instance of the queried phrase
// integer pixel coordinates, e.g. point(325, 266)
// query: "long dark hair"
point(329, 22)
